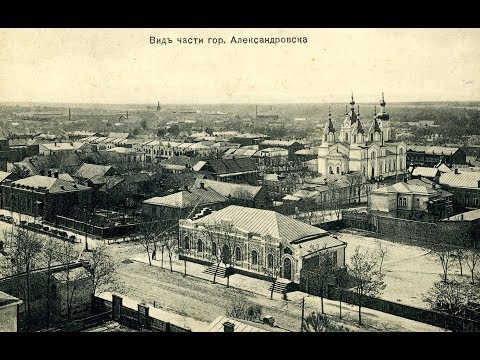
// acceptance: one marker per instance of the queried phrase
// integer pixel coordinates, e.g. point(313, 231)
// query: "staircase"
point(205, 211)
point(280, 286)
point(221, 272)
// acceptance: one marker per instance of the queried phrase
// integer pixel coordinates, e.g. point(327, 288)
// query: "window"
point(371, 137)
point(346, 137)
point(287, 251)
point(475, 202)
point(238, 254)
point(270, 261)
point(354, 138)
point(214, 249)
point(330, 170)
point(466, 200)
point(199, 245)
point(254, 257)
point(338, 170)
point(334, 258)
point(402, 201)
point(187, 243)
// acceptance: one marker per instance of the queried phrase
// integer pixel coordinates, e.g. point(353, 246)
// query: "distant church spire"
point(352, 103)
point(158, 106)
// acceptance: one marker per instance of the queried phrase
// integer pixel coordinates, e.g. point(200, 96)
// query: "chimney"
point(228, 326)
point(127, 114)
point(202, 185)
point(405, 180)
point(49, 173)
point(55, 174)
point(456, 171)
point(419, 177)
point(185, 187)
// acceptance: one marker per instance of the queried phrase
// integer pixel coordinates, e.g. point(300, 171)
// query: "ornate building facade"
point(369, 150)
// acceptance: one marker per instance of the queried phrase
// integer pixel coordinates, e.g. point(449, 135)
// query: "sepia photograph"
point(239, 180)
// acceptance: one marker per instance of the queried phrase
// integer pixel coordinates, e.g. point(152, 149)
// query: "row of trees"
point(29, 251)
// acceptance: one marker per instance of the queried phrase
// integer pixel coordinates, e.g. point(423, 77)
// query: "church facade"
point(369, 150)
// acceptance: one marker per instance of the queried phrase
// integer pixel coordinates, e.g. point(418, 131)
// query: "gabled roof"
point(52, 184)
point(228, 166)
point(467, 179)
point(119, 135)
point(88, 171)
point(179, 160)
point(404, 188)
point(425, 171)
point(188, 198)
point(263, 222)
point(4, 175)
point(6, 299)
point(279, 143)
point(230, 190)
point(437, 150)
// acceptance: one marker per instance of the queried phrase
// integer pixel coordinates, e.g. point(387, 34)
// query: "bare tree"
point(460, 257)
point(366, 279)
point(49, 254)
point(450, 297)
point(274, 269)
point(103, 269)
point(68, 255)
point(381, 253)
point(170, 243)
point(148, 230)
point(335, 197)
point(321, 275)
point(446, 255)
point(26, 249)
point(342, 283)
point(472, 256)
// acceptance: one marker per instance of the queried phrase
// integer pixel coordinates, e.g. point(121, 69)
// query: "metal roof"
point(425, 171)
point(467, 179)
point(188, 198)
point(52, 184)
point(263, 223)
point(233, 190)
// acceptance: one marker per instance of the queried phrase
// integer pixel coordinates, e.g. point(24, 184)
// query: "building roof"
point(464, 179)
point(188, 198)
point(6, 299)
point(443, 168)
point(66, 177)
point(231, 190)
point(405, 188)
point(239, 326)
point(437, 150)
point(425, 171)
point(466, 216)
point(52, 184)
point(119, 135)
point(181, 160)
point(279, 143)
point(308, 151)
point(88, 171)
point(60, 146)
point(263, 223)
point(229, 166)
point(4, 175)
point(72, 274)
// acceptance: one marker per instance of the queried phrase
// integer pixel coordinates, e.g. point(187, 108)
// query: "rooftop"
point(467, 179)
point(438, 150)
point(263, 223)
point(188, 198)
point(52, 184)
point(466, 216)
point(232, 190)
point(425, 171)
point(6, 299)
point(88, 171)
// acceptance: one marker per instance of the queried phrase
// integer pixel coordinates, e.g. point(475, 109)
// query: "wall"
point(8, 318)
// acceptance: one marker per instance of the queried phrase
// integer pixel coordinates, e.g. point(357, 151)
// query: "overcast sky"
point(121, 66)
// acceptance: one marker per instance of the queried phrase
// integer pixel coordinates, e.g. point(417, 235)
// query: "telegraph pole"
point(303, 314)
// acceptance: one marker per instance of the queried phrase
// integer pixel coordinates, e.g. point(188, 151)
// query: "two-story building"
point(465, 186)
point(411, 200)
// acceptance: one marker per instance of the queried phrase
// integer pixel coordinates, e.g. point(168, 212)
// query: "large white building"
point(355, 148)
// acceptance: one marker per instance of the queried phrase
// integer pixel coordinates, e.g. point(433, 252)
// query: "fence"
point(426, 316)
point(136, 318)
point(117, 230)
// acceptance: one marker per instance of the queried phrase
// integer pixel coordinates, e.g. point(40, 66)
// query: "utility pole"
point(303, 314)
point(86, 240)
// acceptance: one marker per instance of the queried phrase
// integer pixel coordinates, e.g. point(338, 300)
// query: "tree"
point(321, 275)
point(273, 271)
point(336, 197)
point(170, 243)
point(147, 233)
point(49, 254)
point(68, 255)
point(367, 280)
point(381, 253)
point(472, 256)
point(20, 171)
point(26, 249)
point(355, 184)
point(143, 124)
point(242, 308)
point(450, 297)
point(342, 283)
point(446, 256)
point(460, 257)
point(103, 269)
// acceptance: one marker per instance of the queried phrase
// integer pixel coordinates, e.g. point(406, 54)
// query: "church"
point(369, 150)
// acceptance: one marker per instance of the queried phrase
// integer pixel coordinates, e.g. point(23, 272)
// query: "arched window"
point(238, 254)
point(338, 170)
point(199, 245)
point(187, 243)
point(330, 170)
point(325, 137)
point(372, 155)
point(214, 249)
point(346, 136)
point(371, 137)
point(254, 257)
point(270, 261)
point(354, 138)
